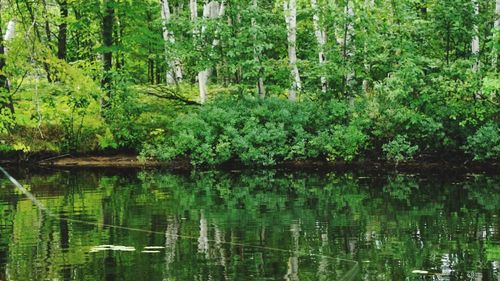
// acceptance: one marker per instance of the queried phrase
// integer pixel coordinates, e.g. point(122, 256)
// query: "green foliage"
point(485, 143)
point(396, 71)
point(341, 142)
point(6, 120)
point(121, 114)
point(399, 149)
point(259, 132)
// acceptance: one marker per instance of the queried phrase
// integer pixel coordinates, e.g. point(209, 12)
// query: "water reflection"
point(268, 225)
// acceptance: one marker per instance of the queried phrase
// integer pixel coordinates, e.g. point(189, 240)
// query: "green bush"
point(259, 132)
point(485, 143)
point(399, 149)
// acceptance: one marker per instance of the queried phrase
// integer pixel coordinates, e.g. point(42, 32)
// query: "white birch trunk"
point(260, 83)
point(202, 75)
point(349, 10)
point(202, 84)
point(475, 39)
point(174, 73)
point(9, 33)
point(193, 8)
point(211, 10)
point(290, 9)
point(321, 39)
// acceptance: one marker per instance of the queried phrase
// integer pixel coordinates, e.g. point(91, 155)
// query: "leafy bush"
point(399, 149)
point(485, 143)
point(259, 132)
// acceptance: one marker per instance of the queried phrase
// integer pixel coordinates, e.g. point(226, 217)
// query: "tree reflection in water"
point(392, 225)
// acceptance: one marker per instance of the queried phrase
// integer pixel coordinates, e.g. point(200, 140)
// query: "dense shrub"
point(399, 149)
point(268, 131)
point(485, 143)
point(259, 132)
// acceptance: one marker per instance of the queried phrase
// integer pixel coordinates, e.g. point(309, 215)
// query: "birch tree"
point(349, 28)
point(4, 81)
point(211, 10)
point(290, 10)
point(257, 54)
point(9, 33)
point(193, 8)
point(321, 40)
point(475, 39)
point(174, 72)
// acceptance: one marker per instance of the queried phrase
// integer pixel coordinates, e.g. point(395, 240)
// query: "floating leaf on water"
point(123, 248)
point(418, 271)
point(154, 247)
point(111, 248)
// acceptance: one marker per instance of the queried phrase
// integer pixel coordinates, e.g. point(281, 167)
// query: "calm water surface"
point(260, 225)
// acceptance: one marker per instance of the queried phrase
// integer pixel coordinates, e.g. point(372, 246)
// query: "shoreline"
point(131, 161)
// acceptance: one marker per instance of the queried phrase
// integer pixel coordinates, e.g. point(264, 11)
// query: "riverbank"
point(132, 161)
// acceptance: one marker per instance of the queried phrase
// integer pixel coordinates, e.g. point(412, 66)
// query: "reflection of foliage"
point(401, 187)
point(485, 191)
point(398, 223)
point(493, 252)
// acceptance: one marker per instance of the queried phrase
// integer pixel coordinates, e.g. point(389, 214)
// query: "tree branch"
point(169, 94)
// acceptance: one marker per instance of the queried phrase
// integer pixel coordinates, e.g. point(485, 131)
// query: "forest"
point(257, 82)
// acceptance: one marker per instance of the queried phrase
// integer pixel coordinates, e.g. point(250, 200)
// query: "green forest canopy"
point(258, 81)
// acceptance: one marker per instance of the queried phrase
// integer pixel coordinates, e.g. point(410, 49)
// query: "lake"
point(99, 224)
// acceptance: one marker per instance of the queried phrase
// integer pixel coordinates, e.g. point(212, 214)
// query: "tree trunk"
point(193, 7)
point(4, 81)
point(475, 40)
point(321, 40)
point(63, 30)
point(290, 9)
point(38, 36)
point(261, 89)
point(349, 27)
point(107, 40)
point(174, 72)
point(211, 10)
point(47, 24)
point(9, 34)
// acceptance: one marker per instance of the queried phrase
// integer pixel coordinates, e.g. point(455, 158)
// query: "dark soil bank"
point(132, 161)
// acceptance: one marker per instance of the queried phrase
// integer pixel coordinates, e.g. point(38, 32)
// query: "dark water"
point(261, 225)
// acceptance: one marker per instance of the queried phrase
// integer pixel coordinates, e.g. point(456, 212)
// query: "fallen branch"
point(53, 158)
point(167, 93)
